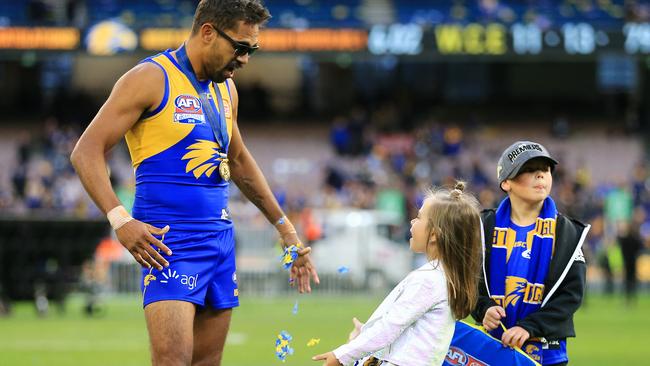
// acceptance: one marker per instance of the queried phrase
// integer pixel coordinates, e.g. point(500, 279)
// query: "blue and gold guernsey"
point(176, 157)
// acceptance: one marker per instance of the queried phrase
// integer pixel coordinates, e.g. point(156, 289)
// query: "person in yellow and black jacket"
point(534, 272)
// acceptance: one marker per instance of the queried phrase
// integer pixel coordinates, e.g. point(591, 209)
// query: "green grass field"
point(609, 333)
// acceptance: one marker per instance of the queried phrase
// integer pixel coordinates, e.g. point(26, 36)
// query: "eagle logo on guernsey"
point(203, 158)
point(188, 110)
point(531, 349)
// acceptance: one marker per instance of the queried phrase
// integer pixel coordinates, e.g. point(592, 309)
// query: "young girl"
point(415, 323)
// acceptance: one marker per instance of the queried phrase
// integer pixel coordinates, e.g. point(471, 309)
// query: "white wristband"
point(118, 216)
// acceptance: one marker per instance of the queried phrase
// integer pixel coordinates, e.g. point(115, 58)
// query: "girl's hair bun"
point(458, 190)
point(460, 185)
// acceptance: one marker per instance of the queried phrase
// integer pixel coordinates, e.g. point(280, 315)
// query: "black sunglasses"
point(241, 49)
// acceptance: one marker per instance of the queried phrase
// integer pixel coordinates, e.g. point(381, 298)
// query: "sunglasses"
point(241, 49)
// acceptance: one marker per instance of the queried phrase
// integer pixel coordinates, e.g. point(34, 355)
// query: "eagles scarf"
point(518, 270)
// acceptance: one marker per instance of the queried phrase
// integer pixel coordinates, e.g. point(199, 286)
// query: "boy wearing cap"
point(533, 276)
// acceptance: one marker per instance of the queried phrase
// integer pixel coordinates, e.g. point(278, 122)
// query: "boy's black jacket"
point(564, 286)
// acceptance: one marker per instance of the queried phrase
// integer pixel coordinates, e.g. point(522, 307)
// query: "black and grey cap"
point(516, 155)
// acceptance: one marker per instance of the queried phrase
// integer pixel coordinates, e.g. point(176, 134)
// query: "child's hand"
point(515, 337)
point(357, 329)
point(493, 317)
point(330, 359)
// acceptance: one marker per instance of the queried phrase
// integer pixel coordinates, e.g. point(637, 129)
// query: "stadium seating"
point(333, 13)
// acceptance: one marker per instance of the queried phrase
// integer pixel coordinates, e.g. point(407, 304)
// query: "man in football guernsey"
point(533, 270)
point(178, 113)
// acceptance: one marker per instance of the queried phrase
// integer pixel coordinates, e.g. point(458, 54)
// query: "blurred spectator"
point(19, 178)
point(311, 228)
point(95, 278)
point(453, 139)
point(392, 200)
point(619, 204)
point(561, 127)
point(596, 254)
point(349, 135)
point(631, 244)
point(478, 177)
point(487, 198)
point(334, 178)
point(340, 136)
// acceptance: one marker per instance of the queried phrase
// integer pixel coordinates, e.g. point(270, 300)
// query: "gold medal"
point(224, 170)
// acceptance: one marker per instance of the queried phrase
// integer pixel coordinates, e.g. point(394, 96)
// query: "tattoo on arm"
point(247, 186)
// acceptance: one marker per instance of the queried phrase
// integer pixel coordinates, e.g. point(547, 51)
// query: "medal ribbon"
point(220, 131)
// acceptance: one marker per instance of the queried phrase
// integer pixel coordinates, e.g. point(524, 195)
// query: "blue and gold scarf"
point(518, 269)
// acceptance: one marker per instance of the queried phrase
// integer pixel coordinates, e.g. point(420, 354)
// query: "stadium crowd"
point(374, 165)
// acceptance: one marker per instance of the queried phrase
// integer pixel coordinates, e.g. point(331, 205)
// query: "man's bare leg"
point(210, 330)
point(170, 324)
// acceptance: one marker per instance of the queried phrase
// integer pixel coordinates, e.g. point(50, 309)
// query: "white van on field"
point(359, 240)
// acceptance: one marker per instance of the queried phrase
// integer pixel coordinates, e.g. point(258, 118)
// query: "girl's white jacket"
point(413, 326)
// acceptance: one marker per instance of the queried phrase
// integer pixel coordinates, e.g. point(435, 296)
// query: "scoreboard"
point(407, 40)
point(496, 39)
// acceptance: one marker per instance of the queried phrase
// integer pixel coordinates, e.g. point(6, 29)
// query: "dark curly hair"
point(225, 14)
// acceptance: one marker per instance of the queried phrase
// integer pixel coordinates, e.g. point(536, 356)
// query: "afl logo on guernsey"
point(188, 110)
point(226, 108)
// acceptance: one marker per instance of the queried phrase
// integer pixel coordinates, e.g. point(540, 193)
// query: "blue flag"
point(473, 346)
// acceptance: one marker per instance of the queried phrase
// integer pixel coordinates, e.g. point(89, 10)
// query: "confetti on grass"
point(343, 270)
point(312, 342)
point(282, 346)
point(289, 256)
point(295, 308)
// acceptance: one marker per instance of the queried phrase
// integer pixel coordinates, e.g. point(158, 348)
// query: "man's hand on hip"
point(138, 238)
